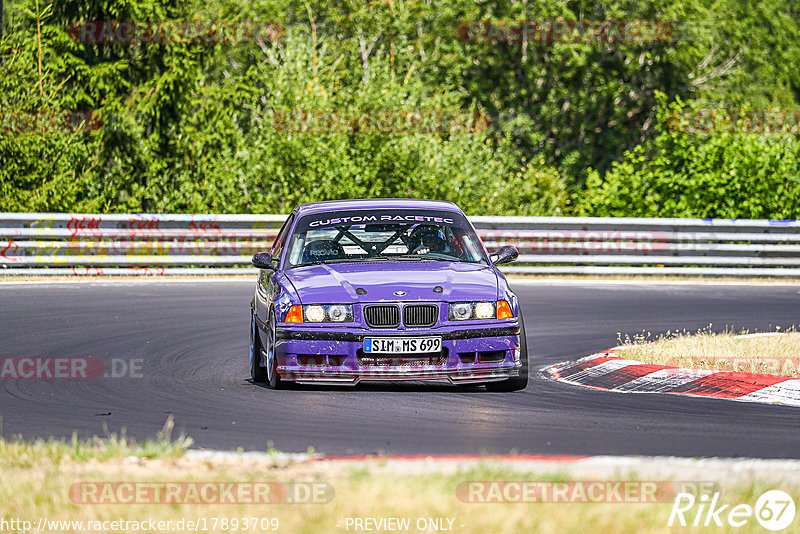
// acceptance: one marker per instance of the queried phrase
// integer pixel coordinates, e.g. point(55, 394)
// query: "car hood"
point(337, 283)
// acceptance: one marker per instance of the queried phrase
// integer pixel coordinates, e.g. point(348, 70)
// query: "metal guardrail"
point(165, 244)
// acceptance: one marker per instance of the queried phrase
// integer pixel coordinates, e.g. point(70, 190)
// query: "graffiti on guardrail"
point(6, 253)
point(204, 226)
point(149, 271)
point(145, 226)
point(84, 225)
point(87, 271)
point(142, 222)
point(13, 251)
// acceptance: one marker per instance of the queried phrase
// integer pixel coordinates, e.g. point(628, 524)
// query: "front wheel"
point(257, 372)
point(515, 383)
point(273, 379)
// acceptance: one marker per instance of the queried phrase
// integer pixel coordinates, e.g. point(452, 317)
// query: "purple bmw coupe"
point(384, 289)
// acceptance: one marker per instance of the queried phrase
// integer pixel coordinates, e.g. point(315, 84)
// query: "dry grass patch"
point(361, 490)
point(775, 353)
point(39, 481)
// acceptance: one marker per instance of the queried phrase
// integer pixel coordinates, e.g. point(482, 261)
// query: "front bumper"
point(335, 356)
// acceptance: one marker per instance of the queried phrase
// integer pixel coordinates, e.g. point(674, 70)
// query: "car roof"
point(372, 203)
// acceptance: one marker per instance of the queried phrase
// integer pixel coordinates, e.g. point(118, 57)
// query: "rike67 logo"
point(774, 510)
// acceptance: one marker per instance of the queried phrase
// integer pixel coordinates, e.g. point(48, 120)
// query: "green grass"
point(17, 452)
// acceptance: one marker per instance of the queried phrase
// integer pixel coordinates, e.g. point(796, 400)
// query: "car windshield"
point(376, 235)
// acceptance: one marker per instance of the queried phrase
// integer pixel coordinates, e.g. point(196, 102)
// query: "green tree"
point(683, 174)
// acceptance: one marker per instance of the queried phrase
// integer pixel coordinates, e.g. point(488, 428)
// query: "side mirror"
point(263, 260)
point(505, 254)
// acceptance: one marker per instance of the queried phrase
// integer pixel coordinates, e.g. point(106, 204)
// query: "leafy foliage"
point(682, 174)
point(193, 126)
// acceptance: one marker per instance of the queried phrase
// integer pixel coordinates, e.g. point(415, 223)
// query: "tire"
point(272, 378)
point(257, 373)
point(520, 382)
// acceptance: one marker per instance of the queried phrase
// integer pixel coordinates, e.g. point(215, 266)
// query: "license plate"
point(402, 345)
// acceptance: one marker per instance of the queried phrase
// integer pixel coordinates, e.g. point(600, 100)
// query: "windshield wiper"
point(323, 262)
point(413, 257)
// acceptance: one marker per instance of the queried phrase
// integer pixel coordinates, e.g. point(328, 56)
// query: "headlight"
point(339, 313)
point(484, 310)
point(314, 314)
point(463, 311)
point(328, 313)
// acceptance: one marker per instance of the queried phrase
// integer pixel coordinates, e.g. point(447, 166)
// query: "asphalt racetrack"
point(192, 340)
